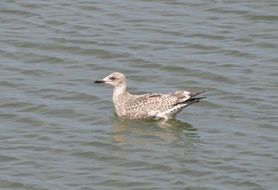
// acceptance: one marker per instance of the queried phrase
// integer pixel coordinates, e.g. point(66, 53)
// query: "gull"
point(151, 106)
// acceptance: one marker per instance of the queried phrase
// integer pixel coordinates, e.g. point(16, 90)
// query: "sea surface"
point(58, 129)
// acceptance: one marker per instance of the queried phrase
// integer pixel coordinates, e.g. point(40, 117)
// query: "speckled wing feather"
point(154, 102)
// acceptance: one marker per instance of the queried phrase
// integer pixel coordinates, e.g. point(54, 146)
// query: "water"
point(58, 129)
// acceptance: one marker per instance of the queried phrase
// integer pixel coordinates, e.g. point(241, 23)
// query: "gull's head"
point(116, 79)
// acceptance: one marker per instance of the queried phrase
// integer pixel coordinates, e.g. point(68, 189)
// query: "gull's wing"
point(162, 102)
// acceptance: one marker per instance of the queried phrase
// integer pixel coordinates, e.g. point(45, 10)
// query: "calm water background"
point(58, 129)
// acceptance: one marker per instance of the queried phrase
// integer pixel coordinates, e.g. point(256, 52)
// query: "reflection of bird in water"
point(171, 131)
point(147, 106)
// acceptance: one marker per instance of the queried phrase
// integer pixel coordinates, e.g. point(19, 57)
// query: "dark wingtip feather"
point(193, 98)
point(193, 94)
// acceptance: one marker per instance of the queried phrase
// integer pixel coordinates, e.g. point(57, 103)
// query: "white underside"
point(171, 113)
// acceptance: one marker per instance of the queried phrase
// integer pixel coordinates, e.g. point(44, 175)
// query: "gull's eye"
point(112, 78)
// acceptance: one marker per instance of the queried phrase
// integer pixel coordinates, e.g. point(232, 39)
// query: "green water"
point(58, 130)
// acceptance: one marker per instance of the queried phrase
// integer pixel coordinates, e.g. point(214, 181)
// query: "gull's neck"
point(120, 90)
point(120, 96)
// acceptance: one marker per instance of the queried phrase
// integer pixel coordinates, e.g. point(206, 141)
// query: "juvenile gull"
point(147, 106)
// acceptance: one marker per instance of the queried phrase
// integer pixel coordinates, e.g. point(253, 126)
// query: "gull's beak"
point(100, 81)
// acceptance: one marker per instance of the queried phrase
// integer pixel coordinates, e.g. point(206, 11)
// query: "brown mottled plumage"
point(147, 106)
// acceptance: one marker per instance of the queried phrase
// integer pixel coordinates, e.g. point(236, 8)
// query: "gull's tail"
point(193, 99)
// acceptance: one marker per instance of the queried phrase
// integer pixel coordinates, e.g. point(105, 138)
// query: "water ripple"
point(59, 130)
